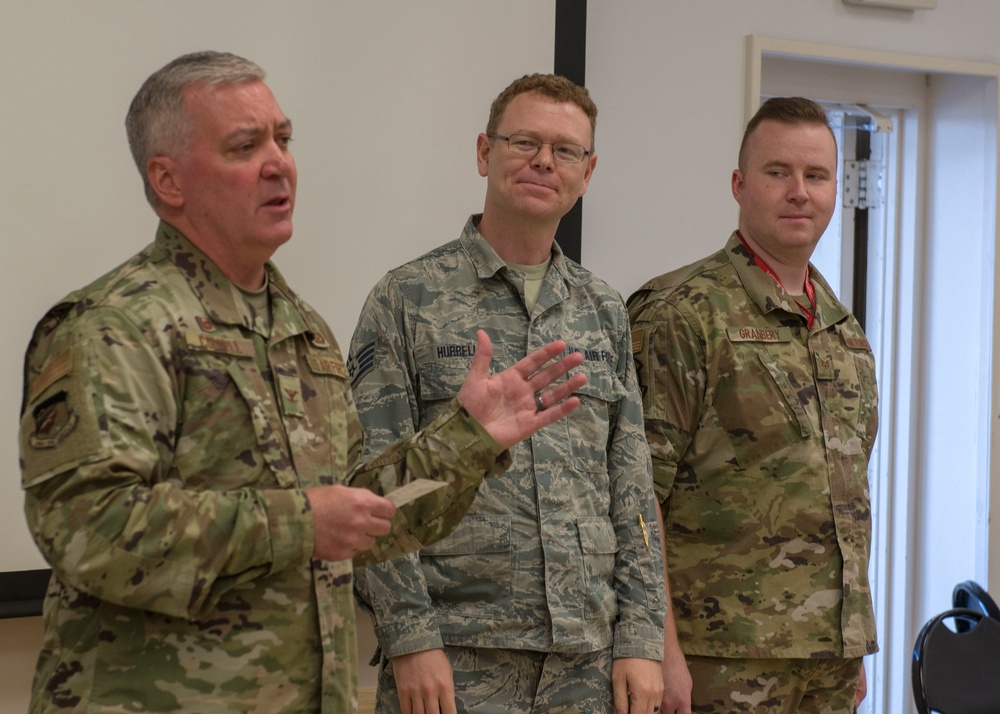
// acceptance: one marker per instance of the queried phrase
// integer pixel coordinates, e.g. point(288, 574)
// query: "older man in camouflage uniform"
point(545, 598)
point(760, 400)
point(188, 426)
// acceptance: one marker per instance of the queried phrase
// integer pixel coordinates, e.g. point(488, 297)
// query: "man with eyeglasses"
point(549, 595)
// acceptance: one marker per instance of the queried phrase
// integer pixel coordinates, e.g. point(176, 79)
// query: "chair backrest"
point(971, 595)
point(957, 672)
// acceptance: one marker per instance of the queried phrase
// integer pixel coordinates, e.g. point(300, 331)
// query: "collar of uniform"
point(289, 314)
point(488, 263)
point(768, 296)
point(829, 310)
point(220, 298)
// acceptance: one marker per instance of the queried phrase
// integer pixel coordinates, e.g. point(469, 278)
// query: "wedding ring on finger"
point(538, 402)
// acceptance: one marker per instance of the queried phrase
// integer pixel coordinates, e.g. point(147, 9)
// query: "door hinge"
point(864, 184)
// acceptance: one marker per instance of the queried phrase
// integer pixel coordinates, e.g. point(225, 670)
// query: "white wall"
point(668, 78)
point(386, 97)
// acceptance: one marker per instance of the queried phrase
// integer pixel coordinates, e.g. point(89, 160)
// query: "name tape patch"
point(213, 343)
point(759, 334)
point(327, 365)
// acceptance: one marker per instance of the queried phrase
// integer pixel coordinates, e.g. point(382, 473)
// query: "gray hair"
point(156, 122)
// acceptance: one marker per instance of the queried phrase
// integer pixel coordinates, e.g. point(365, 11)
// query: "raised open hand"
point(517, 402)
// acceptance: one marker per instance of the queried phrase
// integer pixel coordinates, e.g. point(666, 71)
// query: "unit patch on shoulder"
point(61, 420)
point(54, 420)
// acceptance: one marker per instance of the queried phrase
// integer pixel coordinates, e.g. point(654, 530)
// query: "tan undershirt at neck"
point(259, 302)
point(534, 275)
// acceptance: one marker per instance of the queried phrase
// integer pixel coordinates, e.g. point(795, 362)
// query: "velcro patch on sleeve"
point(56, 368)
point(54, 420)
point(59, 427)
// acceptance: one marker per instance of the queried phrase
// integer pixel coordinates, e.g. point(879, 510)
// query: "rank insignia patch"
point(361, 363)
point(824, 366)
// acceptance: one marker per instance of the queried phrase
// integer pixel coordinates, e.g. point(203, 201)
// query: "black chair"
point(969, 594)
point(957, 672)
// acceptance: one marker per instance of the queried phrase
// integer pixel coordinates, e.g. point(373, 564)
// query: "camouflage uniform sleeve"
point(395, 591)
point(670, 366)
point(455, 449)
point(639, 578)
point(97, 442)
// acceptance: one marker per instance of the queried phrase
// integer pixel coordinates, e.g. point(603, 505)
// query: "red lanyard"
point(809, 312)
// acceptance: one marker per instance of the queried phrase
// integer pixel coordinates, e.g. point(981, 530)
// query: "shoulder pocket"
point(60, 429)
point(864, 363)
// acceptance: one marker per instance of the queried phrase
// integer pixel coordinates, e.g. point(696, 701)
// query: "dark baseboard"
point(22, 592)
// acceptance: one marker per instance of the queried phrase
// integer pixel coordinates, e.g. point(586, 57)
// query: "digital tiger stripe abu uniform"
point(761, 413)
point(575, 492)
point(552, 581)
point(186, 432)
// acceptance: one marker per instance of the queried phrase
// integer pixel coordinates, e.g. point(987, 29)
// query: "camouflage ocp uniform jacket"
point(166, 441)
point(760, 432)
point(552, 557)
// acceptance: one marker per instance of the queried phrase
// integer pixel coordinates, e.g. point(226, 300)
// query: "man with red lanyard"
point(760, 405)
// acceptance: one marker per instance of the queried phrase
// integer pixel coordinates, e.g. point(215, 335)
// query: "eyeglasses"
point(524, 145)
